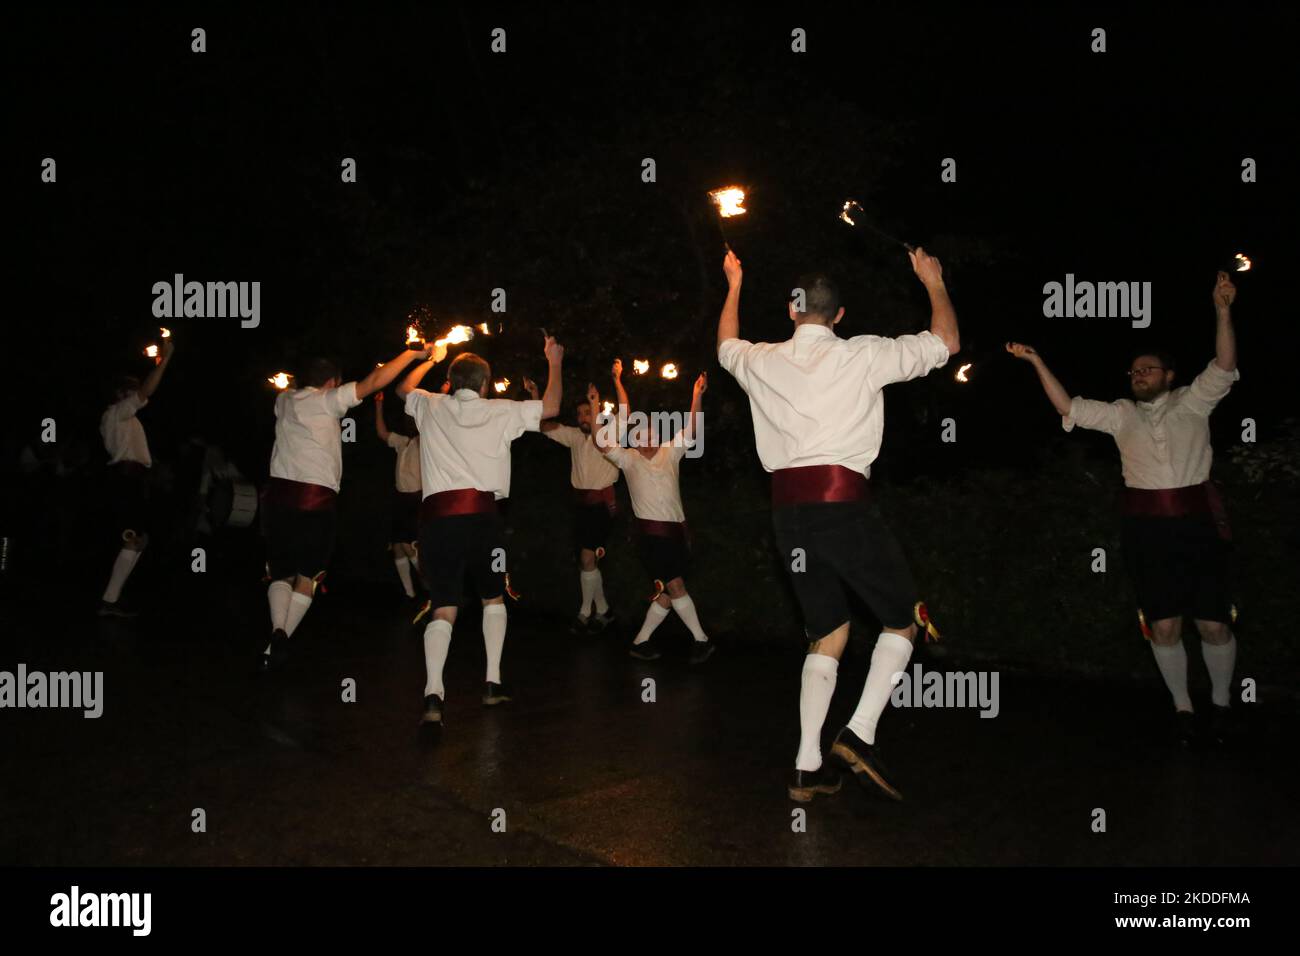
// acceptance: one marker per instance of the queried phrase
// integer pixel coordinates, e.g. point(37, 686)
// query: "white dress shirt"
point(816, 398)
point(591, 470)
point(1164, 443)
point(652, 483)
point(465, 439)
point(308, 441)
point(123, 434)
point(408, 461)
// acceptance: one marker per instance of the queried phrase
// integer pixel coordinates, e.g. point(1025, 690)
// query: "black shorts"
point(591, 525)
point(664, 557)
point(297, 541)
point(844, 545)
point(1178, 566)
point(453, 545)
point(128, 497)
point(405, 525)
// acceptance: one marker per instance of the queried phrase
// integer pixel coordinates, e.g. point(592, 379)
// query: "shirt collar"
point(465, 394)
point(1155, 403)
point(811, 330)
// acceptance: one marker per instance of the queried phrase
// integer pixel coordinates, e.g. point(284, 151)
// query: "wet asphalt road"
point(585, 770)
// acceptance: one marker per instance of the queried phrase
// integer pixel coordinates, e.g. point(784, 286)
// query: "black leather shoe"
point(600, 622)
point(494, 694)
point(432, 710)
point(1186, 721)
point(580, 625)
point(863, 761)
point(279, 655)
point(645, 651)
point(702, 651)
point(805, 783)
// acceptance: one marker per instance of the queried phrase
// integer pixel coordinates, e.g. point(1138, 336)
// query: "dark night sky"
point(523, 171)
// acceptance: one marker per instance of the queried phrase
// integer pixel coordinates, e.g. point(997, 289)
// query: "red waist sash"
point(595, 496)
point(299, 495)
point(461, 501)
point(1177, 502)
point(812, 483)
point(662, 529)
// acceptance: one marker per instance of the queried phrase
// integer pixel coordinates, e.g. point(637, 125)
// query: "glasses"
point(1146, 369)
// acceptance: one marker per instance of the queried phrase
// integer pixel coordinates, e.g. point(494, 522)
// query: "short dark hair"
point(468, 371)
point(821, 295)
point(1166, 359)
point(125, 383)
point(321, 370)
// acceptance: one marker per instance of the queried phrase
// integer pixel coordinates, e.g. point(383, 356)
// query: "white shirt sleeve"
point(732, 355)
point(902, 358)
point(1098, 416)
point(520, 416)
point(1209, 388)
point(562, 434)
point(339, 400)
point(615, 455)
point(124, 409)
point(413, 399)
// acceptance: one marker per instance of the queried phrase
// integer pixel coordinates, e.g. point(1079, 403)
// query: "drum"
point(232, 503)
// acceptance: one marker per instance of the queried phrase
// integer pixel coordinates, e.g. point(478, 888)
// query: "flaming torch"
point(669, 371)
point(152, 352)
point(457, 335)
point(483, 327)
point(730, 201)
point(167, 333)
point(640, 366)
point(502, 385)
point(1241, 263)
point(414, 339)
point(853, 214)
point(281, 380)
point(961, 372)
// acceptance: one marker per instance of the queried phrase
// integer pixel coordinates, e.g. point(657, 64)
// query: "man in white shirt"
point(594, 508)
point(652, 470)
point(1175, 530)
point(406, 498)
point(129, 462)
point(299, 501)
point(465, 470)
point(818, 421)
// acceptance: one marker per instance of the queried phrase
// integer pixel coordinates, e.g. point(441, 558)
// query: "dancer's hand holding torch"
point(943, 317)
point(1225, 292)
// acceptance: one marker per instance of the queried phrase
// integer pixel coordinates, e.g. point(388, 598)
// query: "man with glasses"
point(1175, 533)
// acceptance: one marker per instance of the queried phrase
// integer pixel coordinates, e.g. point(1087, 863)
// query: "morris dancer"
point(404, 529)
point(465, 469)
point(129, 462)
point(1175, 532)
point(818, 421)
point(594, 506)
point(653, 484)
point(298, 505)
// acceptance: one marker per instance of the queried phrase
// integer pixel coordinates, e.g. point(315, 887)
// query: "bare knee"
point(1214, 632)
point(908, 632)
point(303, 585)
point(676, 588)
point(1167, 631)
point(587, 560)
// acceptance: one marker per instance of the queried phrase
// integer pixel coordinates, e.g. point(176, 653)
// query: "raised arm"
point(554, 393)
point(1056, 392)
point(697, 406)
point(1225, 337)
point(531, 388)
point(151, 381)
point(729, 320)
point(600, 434)
point(620, 393)
point(417, 375)
point(943, 317)
point(381, 427)
point(380, 377)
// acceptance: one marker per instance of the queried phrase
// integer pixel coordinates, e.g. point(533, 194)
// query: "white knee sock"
point(403, 564)
point(685, 609)
point(654, 616)
point(1172, 661)
point(1220, 659)
point(890, 657)
point(277, 596)
point(123, 564)
point(437, 640)
point(815, 692)
point(298, 604)
point(598, 590)
point(494, 639)
point(587, 581)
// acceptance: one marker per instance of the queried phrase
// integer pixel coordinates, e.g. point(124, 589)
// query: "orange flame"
point(730, 201)
point(457, 335)
point(151, 351)
point(669, 371)
point(1243, 263)
point(483, 327)
point(607, 408)
point(850, 205)
point(166, 333)
point(502, 385)
point(961, 372)
point(413, 335)
point(640, 366)
point(280, 380)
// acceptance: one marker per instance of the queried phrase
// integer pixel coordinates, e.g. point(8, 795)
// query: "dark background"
point(522, 171)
